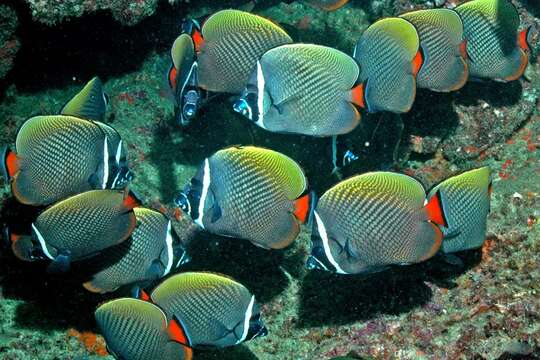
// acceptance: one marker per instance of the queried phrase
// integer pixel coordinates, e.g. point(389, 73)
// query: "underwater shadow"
point(332, 299)
point(51, 302)
point(256, 268)
point(215, 129)
point(240, 352)
point(53, 56)
point(432, 114)
point(443, 270)
point(493, 92)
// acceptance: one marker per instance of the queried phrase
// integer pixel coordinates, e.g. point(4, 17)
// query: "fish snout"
point(318, 260)
point(242, 107)
point(182, 201)
point(256, 329)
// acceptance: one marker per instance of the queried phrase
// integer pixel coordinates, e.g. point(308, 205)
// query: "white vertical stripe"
point(324, 237)
point(42, 242)
point(204, 194)
point(170, 253)
point(118, 152)
point(260, 96)
point(105, 164)
point(247, 318)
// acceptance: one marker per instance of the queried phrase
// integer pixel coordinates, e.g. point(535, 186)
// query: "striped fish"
point(58, 156)
point(151, 252)
point(371, 221)
point(232, 42)
point(80, 227)
point(303, 89)
point(390, 57)
point(495, 49)
point(443, 48)
point(249, 193)
point(465, 200)
point(216, 311)
point(138, 330)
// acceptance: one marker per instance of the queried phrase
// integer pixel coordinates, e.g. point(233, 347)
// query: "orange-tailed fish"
point(138, 330)
point(495, 49)
point(215, 310)
point(390, 57)
point(443, 47)
point(303, 89)
point(465, 199)
point(250, 193)
point(371, 221)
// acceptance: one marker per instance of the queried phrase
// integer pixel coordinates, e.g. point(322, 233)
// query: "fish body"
point(443, 48)
point(215, 310)
point(495, 49)
point(371, 221)
point(303, 89)
point(138, 330)
point(182, 77)
point(465, 199)
point(232, 42)
point(58, 156)
point(151, 252)
point(389, 56)
point(250, 193)
point(81, 226)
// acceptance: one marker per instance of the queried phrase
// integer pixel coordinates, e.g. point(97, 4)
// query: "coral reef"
point(9, 43)
point(127, 12)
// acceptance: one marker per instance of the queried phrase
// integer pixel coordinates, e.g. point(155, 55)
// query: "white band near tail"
point(324, 236)
point(204, 194)
point(170, 252)
point(260, 96)
point(247, 318)
point(105, 164)
point(42, 242)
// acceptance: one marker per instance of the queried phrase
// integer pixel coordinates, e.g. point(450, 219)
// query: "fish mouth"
point(256, 329)
point(316, 263)
point(247, 104)
point(181, 254)
point(190, 101)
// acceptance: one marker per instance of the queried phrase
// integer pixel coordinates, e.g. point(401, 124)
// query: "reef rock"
point(9, 44)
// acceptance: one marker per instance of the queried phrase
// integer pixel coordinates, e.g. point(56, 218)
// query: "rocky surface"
point(9, 43)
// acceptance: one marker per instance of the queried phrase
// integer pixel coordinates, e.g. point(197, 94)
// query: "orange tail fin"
point(417, 62)
point(302, 207)
point(435, 210)
point(141, 294)
point(198, 40)
point(131, 200)
point(178, 334)
point(358, 96)
point(172, 77)
point(10, 166)
point(523, 38)
point(334, 6)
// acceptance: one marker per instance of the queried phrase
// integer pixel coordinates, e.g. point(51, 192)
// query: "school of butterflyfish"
point(76, 167)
